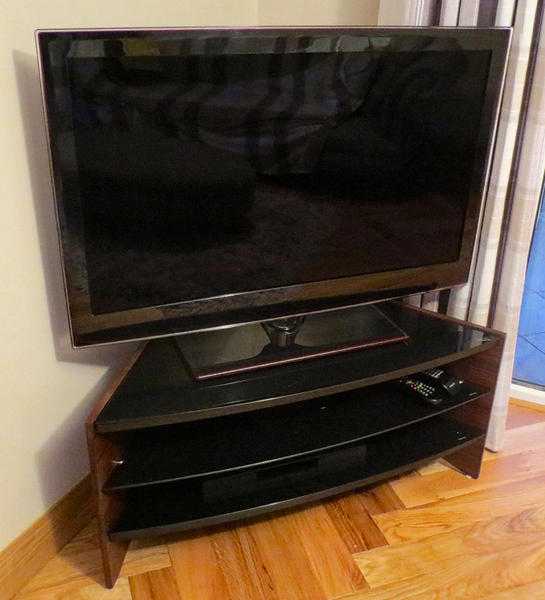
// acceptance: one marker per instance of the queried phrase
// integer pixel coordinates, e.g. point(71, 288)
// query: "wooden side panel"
point(481, 369)
point(103, 452)
point(469, 460)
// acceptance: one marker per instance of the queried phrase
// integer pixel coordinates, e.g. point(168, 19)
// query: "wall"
point(318, 12)
point(46, 387)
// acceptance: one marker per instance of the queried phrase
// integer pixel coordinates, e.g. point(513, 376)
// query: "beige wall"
point(318, 12)
point(47, 388)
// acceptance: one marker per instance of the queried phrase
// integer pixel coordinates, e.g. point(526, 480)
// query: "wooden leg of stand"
point(103, 454)
point(480, 370)
point(468, 460)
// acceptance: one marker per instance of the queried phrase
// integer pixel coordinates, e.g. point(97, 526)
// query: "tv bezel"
point(235, 309)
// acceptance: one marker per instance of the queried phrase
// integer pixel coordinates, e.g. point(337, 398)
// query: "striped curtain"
point(493, 294)
point(501, 234)
point(528, 185)
point(472, 301)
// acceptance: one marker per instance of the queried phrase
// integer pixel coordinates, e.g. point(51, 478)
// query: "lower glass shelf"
point(190, 504)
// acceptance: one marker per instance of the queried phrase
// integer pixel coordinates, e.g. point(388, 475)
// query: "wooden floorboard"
point(351, 517)
point(154, 585)
point(471, 578)
point(430, 534)
point(532, 591)
point(418, 490)
point(524, 413)
point(390, 564)
point(298, 554)
point(419, 523)
point(44, 539)
point(76, 572)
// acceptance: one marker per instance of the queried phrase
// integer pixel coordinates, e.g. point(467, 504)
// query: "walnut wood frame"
point(479, 366)
point(103, 454)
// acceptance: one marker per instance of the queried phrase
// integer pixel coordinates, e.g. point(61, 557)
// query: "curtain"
point(503, 232)
point(473, 301)
point(527, 192)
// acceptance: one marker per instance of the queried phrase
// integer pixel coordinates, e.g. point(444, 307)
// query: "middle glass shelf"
point(231, 443)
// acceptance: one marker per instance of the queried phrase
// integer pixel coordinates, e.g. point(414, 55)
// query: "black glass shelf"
point(192, 450)
point(200, 502)
point(150, 397)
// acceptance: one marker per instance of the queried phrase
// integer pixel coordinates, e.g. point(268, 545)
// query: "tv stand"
point(170, 453)
point(282, 341)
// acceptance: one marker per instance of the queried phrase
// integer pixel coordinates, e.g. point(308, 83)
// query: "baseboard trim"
point(528, 395)
point(29, 552)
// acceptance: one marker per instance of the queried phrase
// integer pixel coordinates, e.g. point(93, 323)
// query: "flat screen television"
point(205, 178)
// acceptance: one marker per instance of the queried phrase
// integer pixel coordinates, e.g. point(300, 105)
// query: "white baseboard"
point(529, 394)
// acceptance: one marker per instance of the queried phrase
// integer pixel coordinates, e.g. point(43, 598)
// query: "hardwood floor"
point(431, 534)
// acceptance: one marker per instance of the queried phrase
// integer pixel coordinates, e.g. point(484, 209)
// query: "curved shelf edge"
point(115, 482)
point(124, 531)
point(174, 418)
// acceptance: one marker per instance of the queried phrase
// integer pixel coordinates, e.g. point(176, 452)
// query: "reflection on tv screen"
point(216, 172)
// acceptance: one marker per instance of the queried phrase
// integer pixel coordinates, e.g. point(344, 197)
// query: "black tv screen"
point(209, 177)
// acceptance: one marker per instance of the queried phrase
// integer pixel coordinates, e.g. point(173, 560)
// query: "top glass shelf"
point(158, 390)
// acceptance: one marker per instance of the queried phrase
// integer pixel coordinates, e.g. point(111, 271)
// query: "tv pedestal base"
point(169, 453)
point(284, 341)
